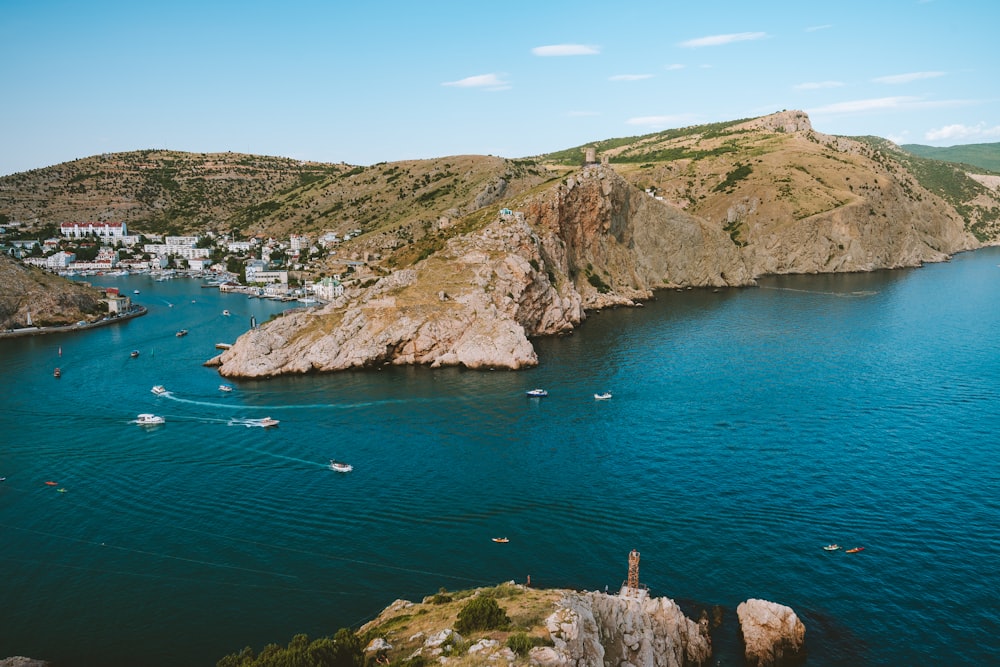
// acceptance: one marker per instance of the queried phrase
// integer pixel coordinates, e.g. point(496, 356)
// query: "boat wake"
point(857, 294)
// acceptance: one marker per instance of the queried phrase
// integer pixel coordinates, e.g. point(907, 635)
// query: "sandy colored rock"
point(772, 633)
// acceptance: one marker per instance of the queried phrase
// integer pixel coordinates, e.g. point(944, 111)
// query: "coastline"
point(137, 311)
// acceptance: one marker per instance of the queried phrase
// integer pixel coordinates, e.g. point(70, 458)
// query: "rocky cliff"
point(596, 240)
point(31, 296)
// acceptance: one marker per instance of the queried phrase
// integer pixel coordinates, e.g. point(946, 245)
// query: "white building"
point(298, 243)
point(188, 252)
point(327, 288)
point(239, 246)
point(108, 231)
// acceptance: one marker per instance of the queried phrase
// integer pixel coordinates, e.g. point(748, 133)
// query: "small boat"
point(135, 291)
point(149, 419)
point(266, 422)
point(854, 550)
point(603, 396)
point(225, 387)
point(502, 540)
point(182, 332)
point(57, 373)
point(135, 353)
point(226, 313)
point(831, 547)
point(52, 483)
point(340, 466)
point(536, 393)
point(3, 479)
point(159, 389)
point(61, 490)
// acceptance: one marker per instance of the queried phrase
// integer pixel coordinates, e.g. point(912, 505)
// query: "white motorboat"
point(226, 313)
point(603, 396)
point(536, 393)
point(340, 466)
point(225, 387)
point(266, 422)
point(159, 389)
point(149, 419)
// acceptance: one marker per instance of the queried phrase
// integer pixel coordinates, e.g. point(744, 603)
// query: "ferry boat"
point(340, 466)
point(536, 393)
point(159, 389)
point(149, 419)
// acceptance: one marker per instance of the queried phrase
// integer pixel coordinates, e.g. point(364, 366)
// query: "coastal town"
point(297, 268)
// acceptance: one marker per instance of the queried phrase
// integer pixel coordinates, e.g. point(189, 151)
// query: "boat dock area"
point(136, 311)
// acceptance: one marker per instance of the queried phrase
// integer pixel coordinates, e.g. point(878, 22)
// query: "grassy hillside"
point(984, 156)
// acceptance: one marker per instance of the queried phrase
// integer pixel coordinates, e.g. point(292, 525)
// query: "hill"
point(32, 296)
point(983, 156)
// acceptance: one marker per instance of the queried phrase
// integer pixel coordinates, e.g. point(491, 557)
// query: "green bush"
point(521, 642)
point(481, 613)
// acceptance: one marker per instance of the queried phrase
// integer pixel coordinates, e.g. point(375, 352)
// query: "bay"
point(748, 428)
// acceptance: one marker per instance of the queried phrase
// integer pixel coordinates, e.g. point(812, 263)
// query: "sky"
point(369, 81)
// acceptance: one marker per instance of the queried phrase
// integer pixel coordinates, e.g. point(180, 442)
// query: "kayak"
point(854, 550)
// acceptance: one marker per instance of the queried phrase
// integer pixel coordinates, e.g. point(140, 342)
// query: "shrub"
point(481, 613)
point(521, 642)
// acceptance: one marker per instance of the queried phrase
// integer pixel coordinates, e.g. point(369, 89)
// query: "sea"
point(748, 429)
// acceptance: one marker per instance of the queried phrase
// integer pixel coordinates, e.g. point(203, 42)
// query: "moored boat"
point(226, 313)
point(536, 393)
point(57, 373)
point(340, 466)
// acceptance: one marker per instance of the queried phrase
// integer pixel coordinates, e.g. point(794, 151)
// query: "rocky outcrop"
point(21, 661)
point(772, 633)
point(592, 242)
point(596, 629)
point(32, 297)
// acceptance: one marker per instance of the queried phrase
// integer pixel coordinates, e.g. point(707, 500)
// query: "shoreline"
point(137, 311)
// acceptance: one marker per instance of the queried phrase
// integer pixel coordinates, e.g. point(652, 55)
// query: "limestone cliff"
point(31, 296)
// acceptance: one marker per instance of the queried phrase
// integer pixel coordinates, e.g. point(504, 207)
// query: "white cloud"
point(630, 77)
point(660, 121)
point(899, 103)
point(488, 81)
point(673, 67)
point(718, 40)
point(814, 28)
point(818, 85)
point(961, 132)
point(907, 78)
point(566, 50)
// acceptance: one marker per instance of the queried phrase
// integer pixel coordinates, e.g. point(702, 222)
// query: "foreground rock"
point(596, 629)
point(772, 633)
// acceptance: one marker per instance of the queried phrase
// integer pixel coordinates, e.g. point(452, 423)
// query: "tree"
point(481, 613)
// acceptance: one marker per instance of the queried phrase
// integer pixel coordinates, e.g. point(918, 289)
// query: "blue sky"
point(365, 82)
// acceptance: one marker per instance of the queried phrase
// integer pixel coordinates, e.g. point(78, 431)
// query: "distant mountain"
point(985, 156)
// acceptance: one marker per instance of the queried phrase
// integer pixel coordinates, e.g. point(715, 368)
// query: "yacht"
point(340, 466)
point(148, 419)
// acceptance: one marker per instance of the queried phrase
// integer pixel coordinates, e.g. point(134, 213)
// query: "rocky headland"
point(32, 297)
point(597, 239)
point(582, 629)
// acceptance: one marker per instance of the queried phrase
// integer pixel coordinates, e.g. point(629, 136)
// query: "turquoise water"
point(748, 429)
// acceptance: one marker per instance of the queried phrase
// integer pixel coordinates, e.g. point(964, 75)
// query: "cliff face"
point(46, 299)
point(592, 241)
point(596, 629)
